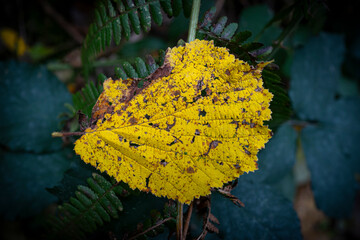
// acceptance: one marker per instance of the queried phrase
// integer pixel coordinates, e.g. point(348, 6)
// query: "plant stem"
point(188, 217)
point(194, 20)
point(179, 221)
point(66, 134)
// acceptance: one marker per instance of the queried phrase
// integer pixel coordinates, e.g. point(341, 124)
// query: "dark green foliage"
point(266, 215)
point(278, 157)
point(23, 179)
point(116, 18)
point(32, 101)
point(331, 132)
point(93, 205)
point(27, 118)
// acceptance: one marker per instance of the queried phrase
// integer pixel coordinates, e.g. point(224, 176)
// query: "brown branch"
point(72, 31)
point(151, 228)
point(188, 217)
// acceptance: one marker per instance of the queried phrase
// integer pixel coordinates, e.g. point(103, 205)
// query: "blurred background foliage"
point(311, 165)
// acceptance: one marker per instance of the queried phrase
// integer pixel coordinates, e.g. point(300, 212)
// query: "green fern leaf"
point(116, 18)
point(155, 11)
point(241, 37)
point(219, 26)
point(134, 19)
point(93, 205)
point(145, 18)
point(166, 6)
point(229, 31)
point(187, 5)
point(141, 68)
point(176, 6)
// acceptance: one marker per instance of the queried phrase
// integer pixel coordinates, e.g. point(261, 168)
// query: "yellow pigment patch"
point(192, 130)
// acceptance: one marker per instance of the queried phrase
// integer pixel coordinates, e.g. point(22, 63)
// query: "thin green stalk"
point(194, 20)
point(179, 221)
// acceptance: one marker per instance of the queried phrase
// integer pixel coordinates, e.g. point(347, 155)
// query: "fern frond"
point(85, 99)
point(114, 19)
point(280, 104)
point(93, 204)
point(225, 35)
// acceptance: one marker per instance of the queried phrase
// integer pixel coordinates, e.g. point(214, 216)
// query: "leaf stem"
point(194, 20)
point(179, 221)
point(66, 134)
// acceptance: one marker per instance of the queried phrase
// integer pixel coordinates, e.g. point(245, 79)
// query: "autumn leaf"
point(195, 125)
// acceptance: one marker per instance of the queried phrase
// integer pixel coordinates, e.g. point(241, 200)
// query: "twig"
point(72, 31)
point(204, 232)
point(188, 217)
point(179, 221)
point(151, 228)
point(67, 134)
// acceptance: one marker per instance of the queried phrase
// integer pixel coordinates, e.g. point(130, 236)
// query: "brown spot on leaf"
point(133, 121)
point(176, 93)
point(190, 170)
point(227, 72)
point(215, 99)
point(237, 166)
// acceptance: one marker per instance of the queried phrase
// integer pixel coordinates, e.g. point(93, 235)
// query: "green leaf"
point(166, 6)
point(24, 178)
point(126, 26)
point(130, 71)
point(344, 115)
point(278, 157)
point(76, 175)
point(155, 10)
point(241, 37)
point(332, 177)
point(219, 26)
point(116, 24)
point(315, 74)
point(254, 19)
point(32, 100)
point(266, 214)
point(187, 5)
point(177, 6)
point(119, 73)
point(145, 18)
point(229, 31)
point(135, 21)
point(141, 68)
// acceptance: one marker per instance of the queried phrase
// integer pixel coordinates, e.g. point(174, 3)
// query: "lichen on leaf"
point(194, 126)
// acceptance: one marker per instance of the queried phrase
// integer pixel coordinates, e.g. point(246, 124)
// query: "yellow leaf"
point(13, 41)
point(196, 126)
